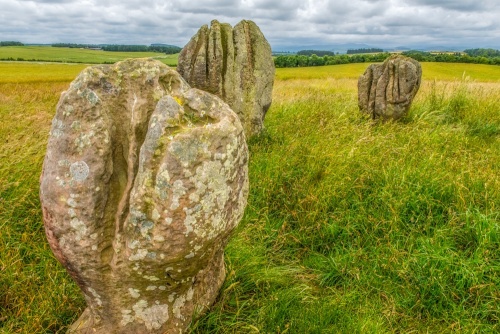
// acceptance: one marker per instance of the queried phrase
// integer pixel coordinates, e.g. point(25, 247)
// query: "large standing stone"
point(143, 181)
point(387, 90)
point(234, 64)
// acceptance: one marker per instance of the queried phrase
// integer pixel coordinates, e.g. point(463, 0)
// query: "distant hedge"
point(76, 46)
point(11, 43)
point(319, 53)
point(455, 57)
point(315, 60)
point(488, 53)
point(168, 49)
point(370, 50)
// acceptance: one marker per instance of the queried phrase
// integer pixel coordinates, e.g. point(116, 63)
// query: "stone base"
point(205, 290)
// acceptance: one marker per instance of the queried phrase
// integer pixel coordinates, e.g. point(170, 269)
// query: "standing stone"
point(235, 64)
point(143, 181)
point(387, 90)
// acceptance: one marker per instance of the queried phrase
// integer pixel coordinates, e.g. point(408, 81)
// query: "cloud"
point(50, 1)
point(287, 24)
point(460, 5)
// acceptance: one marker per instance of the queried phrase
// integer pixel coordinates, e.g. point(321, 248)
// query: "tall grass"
point(351, 227)
point(36, 296)
point(360, 227)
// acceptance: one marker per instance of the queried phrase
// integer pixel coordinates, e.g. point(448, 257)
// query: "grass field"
point(351, 226)
point(431, 71)
point(75, 55)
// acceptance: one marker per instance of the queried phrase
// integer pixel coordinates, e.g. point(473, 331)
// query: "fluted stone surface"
point(387, 90)
point(143, 180)
point(235, 64)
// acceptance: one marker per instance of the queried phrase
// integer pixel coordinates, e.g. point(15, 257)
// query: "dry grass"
point(36, 295)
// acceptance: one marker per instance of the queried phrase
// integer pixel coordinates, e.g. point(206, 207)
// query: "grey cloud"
point(353, 11)
point(290, 23)
point(461, 5)
point(50, 1)
point(241, 9)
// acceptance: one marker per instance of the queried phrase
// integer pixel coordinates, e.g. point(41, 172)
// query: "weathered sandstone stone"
point(234, 64)
point(143, 181)
point(387, 90)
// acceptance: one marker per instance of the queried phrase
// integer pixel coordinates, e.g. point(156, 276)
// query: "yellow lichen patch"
point(179, 100)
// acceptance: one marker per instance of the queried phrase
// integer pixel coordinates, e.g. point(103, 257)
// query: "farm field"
point(351, 226)
point(75, 55)
point(431, 71)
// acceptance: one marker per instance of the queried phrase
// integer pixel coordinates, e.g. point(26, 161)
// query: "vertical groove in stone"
point(143, 181)
point(387, 90)
point(245, 67)
point(225, 54)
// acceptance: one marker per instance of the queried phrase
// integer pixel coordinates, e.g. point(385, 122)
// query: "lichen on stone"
point(386, 91)
point(143, 181)
point(79, 170)
point(235, 64)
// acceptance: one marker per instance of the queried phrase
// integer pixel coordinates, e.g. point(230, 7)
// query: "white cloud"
point(458, 5)
point(286, 24)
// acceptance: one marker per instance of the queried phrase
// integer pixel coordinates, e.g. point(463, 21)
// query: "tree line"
point(164, 48)
point(476, 57)
point(76, 46)
point(315, 60)
point(168, 49)
point(369, 50)
point(11, 43)
point(488, 53)
point(319, 53)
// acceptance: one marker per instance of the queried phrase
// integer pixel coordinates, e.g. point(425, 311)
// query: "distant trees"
point(126, 48)
point(446, 57)
point(417, 55)
point(164, 48)
point(168, 49)
point(75, 46)
point(11, 43)
point(315, 60)
point(474, 56)
point(370, 50)
point(280, 53)
point(488, 53)
point(319, 53)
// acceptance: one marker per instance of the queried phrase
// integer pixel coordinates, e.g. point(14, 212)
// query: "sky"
point(287, 24)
